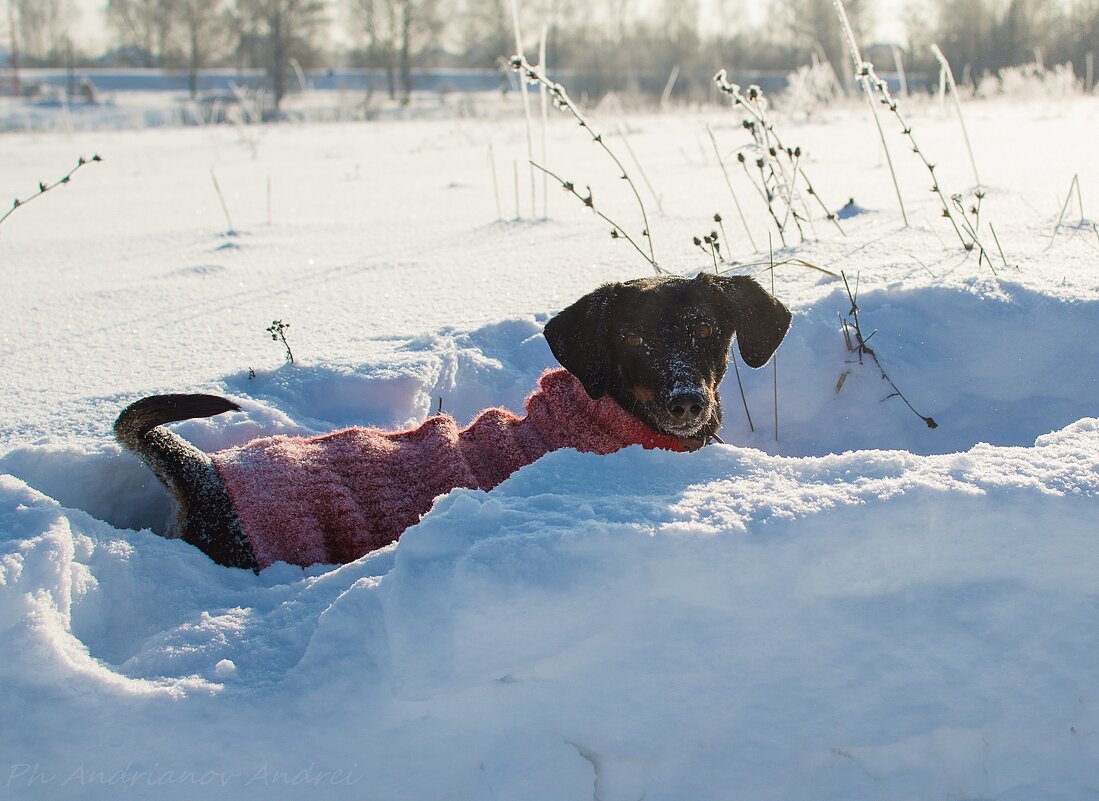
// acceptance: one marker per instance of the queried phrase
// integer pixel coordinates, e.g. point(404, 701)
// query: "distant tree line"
point(610, 45)
point(979, 36)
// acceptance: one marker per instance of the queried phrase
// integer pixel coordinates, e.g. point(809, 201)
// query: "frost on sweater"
point(335, 497)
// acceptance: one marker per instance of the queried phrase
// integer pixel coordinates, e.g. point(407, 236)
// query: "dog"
point(642, 361)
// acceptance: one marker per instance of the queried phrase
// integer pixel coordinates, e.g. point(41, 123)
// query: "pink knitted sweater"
point(335, 497)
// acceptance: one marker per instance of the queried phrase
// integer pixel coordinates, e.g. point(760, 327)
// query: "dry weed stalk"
point(793, 260)
point(771, 149)
point(860, 64)
point(763, 190)
point(526, 106)
point(728, 183)
point(872, 82)
point(971, 229)
point(44, 187)
point(871, 78)
point(278, 330)
point(224, 206)
point(774, 356)
point(562, 100)
point(740, 386)
point(644, 176)
point(853, 331)
point(495, 183)
point(617, 231)
point(947, 81)
point(1073, 186)
point(713, 241)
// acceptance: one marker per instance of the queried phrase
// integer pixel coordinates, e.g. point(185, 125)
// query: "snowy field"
point(862, 608)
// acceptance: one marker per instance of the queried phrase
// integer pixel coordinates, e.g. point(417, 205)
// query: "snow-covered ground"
point(862, 608)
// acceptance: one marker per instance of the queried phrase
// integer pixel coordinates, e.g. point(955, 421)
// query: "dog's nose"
point(686, 406)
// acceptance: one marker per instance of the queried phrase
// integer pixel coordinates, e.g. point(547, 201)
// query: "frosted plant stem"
point(982, 252)
point(793, 260)
point(899, 63)
point(790, 205)
point(774, 356)
point(495, 182)
point(1064, 208)
point(864, 79)
point(669, 85)
point(633, 157)
point(617, 231)
point(43, 187)
point(562, 100)
point(733, 91)
point(544, 96)
point(764, 192)
point(728, 183)
point(740, 386)
point(890, 102)
point(996, 239)
point(221, 197)
point(861, 348)
point(944, 65)
point(526, 103)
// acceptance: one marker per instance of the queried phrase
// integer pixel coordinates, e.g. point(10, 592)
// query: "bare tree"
point(987, 35)
point(1021, 27)
point(812, 26)
point(43, 27)
point(486, 33)
point(203, 25)
point(144, 24)
point(420, 26)
point(290, 30)
point(399, 32)
point(1078, 38)
point(377, 22)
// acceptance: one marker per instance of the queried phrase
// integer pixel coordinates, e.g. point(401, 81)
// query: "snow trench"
point(866, 608)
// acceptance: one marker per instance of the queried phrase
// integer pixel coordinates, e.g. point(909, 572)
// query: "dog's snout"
point(686, 406)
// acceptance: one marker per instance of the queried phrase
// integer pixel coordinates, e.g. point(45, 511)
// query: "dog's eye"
point(703, 330)
point(633, 340)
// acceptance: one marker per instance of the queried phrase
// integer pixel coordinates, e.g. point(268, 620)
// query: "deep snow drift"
point(862, 608)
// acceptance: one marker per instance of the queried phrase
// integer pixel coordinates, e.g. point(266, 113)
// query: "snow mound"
point(861, 608)
point(939, 600)
point(640, 624)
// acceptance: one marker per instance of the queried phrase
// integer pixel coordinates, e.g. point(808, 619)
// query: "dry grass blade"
point(44, 187)
point(792, 260)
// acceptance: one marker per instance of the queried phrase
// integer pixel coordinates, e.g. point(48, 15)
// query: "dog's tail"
point(141, 417)
point(205, 516)
point(204, 512)
point(179, 465)
point(176, 462)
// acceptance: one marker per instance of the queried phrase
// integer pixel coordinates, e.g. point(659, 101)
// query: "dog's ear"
point(578, 338)
point(759, 320)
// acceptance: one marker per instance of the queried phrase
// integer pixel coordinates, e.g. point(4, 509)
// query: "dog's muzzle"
point(687, 411)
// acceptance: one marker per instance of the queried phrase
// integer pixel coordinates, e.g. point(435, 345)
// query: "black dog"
point(658, 347)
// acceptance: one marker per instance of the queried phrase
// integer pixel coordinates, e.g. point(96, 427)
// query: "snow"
point(862, 608)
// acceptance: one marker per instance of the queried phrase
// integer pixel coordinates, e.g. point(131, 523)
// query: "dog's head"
point(660, 346)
